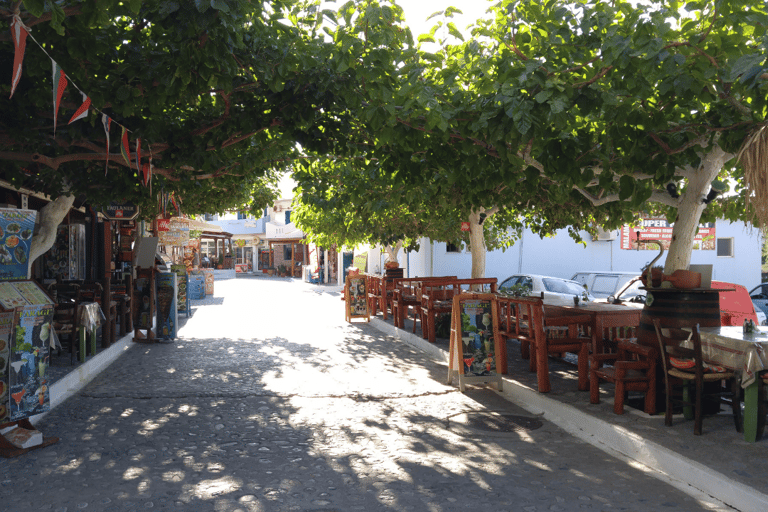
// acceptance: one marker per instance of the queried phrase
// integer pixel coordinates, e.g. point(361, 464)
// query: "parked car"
point(759, 296)
point(602, 284)
point(556, 289)
point(735, 306)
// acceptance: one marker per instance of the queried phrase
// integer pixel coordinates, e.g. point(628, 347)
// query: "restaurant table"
point(603, 316)
point(745, 353)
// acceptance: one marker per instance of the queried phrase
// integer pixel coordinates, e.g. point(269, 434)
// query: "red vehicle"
point(735, 305)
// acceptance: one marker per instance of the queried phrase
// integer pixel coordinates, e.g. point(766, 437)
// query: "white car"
point(556, 290)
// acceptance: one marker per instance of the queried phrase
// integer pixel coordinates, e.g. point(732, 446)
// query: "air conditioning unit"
point(602, 234)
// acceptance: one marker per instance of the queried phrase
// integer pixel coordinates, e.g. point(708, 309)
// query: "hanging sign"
point(173, 231)
point(465, 226)
point(121, 211)
point(16, 228)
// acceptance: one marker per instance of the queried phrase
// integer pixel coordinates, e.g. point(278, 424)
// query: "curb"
point(687, 475)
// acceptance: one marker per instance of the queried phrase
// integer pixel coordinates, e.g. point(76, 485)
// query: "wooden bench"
point(407, 295)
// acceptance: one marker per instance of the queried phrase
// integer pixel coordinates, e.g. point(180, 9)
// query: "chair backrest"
point(670, 347)
point(480, 285)
point(432, 291)
point(91, 291)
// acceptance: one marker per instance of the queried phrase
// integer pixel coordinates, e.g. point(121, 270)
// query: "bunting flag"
point(173, 200)
point(19, 36)
point(138, 158)
point(146, 173)
point(124, 149)
point(82, 111)
point(59, 84)
point(107, 122)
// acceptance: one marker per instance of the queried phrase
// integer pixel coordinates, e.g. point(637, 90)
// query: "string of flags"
point(60, 80)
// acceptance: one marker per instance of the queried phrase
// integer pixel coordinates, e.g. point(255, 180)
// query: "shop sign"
point(654, 229)
point(174, 233)
point(465, 226)
point(121, 211)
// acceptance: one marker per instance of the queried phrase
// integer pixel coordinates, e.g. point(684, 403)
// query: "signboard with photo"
point(16, 229)
point(657, 228)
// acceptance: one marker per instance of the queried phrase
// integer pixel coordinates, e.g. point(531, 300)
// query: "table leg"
point(750, 413)
point(688, 397)
point(81, 351)
point(93, 341)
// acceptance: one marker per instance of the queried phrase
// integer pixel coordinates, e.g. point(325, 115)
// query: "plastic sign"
point(121, 211)
point(465, 226)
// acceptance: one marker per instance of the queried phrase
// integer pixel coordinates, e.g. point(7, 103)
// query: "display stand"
point(475, 340)
point(167, 311)
point(26, 335)
point(356, 298)
point(182, 297)
point(196, 285)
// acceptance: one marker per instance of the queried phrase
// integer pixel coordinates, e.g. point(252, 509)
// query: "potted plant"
point(221, 261)
point(282, 270)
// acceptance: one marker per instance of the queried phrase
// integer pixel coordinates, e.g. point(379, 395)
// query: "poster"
point(208, 273)
point(181, 282)
point(30, 338)
point(142, 296)
point(6, 322)
point(657, 228)
point(356, 298)
point(196, 286)
point(16, 228)
point(478, 357)
point(167, 313)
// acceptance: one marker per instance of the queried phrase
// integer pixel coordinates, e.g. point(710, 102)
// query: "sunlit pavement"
point(269, 400)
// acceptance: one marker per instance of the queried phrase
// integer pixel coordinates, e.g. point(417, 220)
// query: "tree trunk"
point(690, 209)
point(48, 219)
point(477, 244)
point(392, 251)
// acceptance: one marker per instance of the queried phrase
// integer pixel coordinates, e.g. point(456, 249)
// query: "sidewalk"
point(163, 404)
point(719, 462)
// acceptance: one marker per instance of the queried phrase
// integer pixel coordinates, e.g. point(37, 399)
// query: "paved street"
point(269, 401)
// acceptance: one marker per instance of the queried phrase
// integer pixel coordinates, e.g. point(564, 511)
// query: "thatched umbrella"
point(753, 156)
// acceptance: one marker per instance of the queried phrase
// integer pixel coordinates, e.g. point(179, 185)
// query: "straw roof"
point(753, 157)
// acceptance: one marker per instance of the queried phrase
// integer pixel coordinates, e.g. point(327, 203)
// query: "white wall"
point(560, 256)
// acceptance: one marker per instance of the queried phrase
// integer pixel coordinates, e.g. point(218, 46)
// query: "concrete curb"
point(675, 469)
point(79, 377)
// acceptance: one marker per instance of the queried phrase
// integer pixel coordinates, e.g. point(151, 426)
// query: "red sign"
point(465, 226)
point(658, 229)
point(163, 224)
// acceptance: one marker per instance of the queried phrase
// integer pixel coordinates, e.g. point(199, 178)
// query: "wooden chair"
point(683, 365)
point(477, 285)
point(66, 314)
point(406, 296)
point(632, 368)
point(557, 335)
point(373, 287)
point(516, 321)
point(436, 299)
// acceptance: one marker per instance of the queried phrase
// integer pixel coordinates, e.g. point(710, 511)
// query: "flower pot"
point(391, 264)
point(684, 279)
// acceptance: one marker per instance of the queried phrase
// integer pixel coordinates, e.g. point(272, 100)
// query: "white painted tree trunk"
point(392, 251)
point(48, 219)
point(690, 209)
point(477, 244)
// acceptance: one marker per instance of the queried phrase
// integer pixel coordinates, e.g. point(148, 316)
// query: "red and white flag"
point(59, 85)
point(124, 148)
point(82, 111)
point(107, 122)
point(19, 36)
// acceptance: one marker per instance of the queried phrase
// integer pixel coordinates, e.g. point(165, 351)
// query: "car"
point(602, 284)
point(556, 290)
point(759, 296)
point(735, 306)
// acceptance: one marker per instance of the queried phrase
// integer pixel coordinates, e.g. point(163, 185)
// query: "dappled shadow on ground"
point(347, 419)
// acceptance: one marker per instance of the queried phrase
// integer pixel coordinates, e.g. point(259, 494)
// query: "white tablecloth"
point(731, 347)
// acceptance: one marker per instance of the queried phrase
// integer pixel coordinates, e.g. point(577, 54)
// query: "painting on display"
point(356, 298)
point(16, 228)
point(474, 340)
point(208, 273)
point(28, 384)
point(6, 323)
point(143, 297)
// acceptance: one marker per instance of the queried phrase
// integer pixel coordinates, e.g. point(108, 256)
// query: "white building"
point(735, 256)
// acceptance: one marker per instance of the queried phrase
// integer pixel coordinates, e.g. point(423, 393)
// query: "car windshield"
point(562, 286)
point(520, 284)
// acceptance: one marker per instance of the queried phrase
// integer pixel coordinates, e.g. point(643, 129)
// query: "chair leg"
point(594, 388)
point(650, 397)
point(698, 415)
point(583, 365)
point(618, 401)
point(525, 349)
point(668, 412)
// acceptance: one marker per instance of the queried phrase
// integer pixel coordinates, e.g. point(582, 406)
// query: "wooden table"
point(604, 316)
point(745, 353)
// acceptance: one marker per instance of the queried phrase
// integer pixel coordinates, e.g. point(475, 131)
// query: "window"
point(288, 217)
point(287, 252)
point(449, 247)
point(242, 215)
point(725, 247)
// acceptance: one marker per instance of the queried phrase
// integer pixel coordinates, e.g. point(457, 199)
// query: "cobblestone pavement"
point(269, 401)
